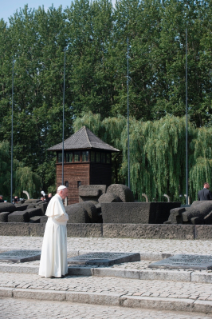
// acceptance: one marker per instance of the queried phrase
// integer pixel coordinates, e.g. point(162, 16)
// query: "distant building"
point(87, 161)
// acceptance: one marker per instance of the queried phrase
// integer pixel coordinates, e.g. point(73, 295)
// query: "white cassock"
point(53, 262)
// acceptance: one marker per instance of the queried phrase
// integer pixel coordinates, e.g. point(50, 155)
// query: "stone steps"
point(161, 274)
point(111, 299)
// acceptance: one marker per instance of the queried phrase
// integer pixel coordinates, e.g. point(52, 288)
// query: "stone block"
point(31, 206)
point(34, 212)
point(84, 230)
point(14, 229)
point(208, 219)
point(4, 217)
point(91, 192)
point(148, 231)
point(43, 219)
point(18, 217)
point(98, 208)
point(7, 207)
point(203, 232)
point(122, 191)
point(35, 219)
point(200, 210)
point(77, 214)
point(42, 206)
point(137, 212)
point(21, 207)
point(170, 304)
point(110, 299)
point(198, 276)
point(39, 294)
point(34, 201)
point(109, 198)
point(6, 292)
point(91, 210)
point(175, 216)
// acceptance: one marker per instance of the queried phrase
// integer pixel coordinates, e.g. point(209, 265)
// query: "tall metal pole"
point(11, 183)
point(186, 125)
point(64, 78)
point(128, 135)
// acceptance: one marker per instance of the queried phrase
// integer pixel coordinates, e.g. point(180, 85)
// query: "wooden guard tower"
point(87, 161)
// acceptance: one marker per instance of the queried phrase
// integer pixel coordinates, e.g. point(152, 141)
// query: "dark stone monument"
point(91, 192)
point(7, 207)
point(77, 214)
point(185, 262)
point(35, 219)
point(122, 191)
point(109, 198)
point(18, 217)
point(104, 259)
point(20, 256)
point(4, 217)
point(43, 219)
point(137, 212)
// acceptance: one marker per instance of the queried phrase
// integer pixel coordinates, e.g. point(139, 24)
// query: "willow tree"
point(23, 177)
point(201, 169)
point(157, 153)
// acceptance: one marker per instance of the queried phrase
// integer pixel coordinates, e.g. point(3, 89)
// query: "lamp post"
point(186, 125)
point(128, 136)
point(11, 182)
point(64, 78)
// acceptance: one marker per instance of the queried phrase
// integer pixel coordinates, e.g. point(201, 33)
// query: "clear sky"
point(9, 7)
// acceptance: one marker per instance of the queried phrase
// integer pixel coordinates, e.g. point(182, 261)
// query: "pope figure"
point(53, 262)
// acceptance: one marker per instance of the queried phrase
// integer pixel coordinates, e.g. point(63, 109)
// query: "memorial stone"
point(198, 262)
point(104, 258)
point(20, 256)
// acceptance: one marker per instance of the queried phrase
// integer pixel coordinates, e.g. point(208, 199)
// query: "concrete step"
point(113, 291)
point(145, 274)
point(111, 299)
point(28, 308)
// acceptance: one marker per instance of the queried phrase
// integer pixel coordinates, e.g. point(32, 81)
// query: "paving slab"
point(19, 256)
point(185, 261)
point(104, 258)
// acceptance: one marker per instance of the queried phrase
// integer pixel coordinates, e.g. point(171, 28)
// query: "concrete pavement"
point(120, 291)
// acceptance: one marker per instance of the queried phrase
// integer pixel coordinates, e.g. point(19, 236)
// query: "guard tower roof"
point(83, 139)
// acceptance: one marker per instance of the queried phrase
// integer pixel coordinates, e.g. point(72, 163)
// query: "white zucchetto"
point(61, 187)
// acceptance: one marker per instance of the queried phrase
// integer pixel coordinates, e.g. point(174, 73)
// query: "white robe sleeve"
point(56, 209)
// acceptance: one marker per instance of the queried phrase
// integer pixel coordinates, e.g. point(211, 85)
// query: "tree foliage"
point(23, 177)
point(94, 36)
point(157, 153)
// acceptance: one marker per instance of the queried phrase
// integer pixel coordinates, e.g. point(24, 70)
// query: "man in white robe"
point(53, 262)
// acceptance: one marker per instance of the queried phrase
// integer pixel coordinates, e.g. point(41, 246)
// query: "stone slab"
point(104, 258)
point(185, 262)
point(137, 212)
point(19, 256)
point(148, 231)
point(84, 230)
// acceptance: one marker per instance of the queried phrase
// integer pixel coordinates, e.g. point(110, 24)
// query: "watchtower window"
point(92, 157)
point(69, 157)
point(98, 158)
point(108, 158)
point(78, 183)
point(59, 157)
point(85, 156)
point(102, 157)
point(76, 156)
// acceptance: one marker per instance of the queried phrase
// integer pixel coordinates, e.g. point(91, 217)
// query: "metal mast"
point(128, 136)
point(11, 183)
point(64, 78)
point(186, 125)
